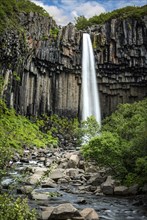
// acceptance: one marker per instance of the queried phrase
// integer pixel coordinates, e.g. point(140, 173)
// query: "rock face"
point(42, 70)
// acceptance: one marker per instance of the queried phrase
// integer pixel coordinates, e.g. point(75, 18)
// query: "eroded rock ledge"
point(43, 72)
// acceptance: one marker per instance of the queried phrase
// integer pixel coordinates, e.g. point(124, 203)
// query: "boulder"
point(133, 190)
point(96, 179)
point(121, 190)
point(108, 186)
point(89, 214)
point(57, 174)
point(45, 215)
point(64, 211)
point(73, 161)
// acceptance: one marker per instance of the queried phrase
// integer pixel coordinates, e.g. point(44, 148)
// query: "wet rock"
point(81, 201)
point(89, 214)
point(6, 183)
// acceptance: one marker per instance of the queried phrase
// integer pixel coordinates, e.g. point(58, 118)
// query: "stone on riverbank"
point(108, 186)
point(121, 190)
point(89, 214)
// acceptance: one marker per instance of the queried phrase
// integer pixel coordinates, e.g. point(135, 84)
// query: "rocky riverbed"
point(61, 185)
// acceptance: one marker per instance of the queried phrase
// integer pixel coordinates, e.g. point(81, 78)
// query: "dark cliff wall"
point(43, 72)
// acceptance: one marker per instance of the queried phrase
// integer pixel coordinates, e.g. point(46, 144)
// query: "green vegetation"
point(127, 12)
point(17, 131)
point(58, 126)
point(16, 76)
point(122, 144)
point(54, 32)
point(87, 130)
point(10, 9)
point(18, 209)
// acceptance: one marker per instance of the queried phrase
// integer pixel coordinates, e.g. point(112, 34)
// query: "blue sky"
point(65, 11)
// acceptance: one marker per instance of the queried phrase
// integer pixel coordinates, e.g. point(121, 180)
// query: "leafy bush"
point(87, 130)
point(18, 209)
point(122, 145)
point(122, 13)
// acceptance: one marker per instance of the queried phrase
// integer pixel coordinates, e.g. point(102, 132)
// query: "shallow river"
point(110, 208)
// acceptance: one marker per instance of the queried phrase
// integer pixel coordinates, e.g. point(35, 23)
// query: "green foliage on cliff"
point(122, 144)
point(59, 126)
point(54, 32)
point(10, 9)
point(122, 13)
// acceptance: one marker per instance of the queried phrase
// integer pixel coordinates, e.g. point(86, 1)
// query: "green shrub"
point(122, 144)
point(15, 209)
point(87, 130)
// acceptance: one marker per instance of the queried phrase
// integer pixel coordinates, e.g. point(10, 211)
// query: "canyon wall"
point(42, 69)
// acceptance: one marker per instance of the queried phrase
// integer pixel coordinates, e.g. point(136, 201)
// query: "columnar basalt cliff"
point(42, 70)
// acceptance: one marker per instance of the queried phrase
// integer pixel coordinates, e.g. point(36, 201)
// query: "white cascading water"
point(90, 96)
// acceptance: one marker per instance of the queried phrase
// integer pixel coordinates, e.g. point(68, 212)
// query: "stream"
point(108, 208)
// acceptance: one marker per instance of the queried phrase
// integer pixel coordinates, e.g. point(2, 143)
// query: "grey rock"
point(64, 211)
point(108, 186)
point(96, 179)
point(121, 190)
point(89, 214)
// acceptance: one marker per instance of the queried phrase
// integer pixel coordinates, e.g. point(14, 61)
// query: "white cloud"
point(57, 13)
point(89, 9)
point(69, 9)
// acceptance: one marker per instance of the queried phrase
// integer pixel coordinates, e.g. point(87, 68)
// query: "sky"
point(65, 11)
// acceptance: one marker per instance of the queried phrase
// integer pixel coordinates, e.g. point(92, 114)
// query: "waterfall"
point(90, 96)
